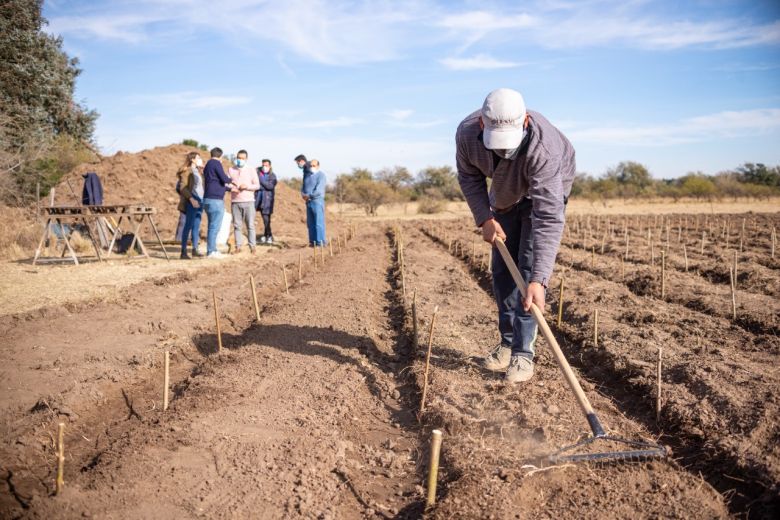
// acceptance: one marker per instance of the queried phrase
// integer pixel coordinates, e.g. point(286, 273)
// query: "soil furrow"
point(497, 435)
point(720, 406)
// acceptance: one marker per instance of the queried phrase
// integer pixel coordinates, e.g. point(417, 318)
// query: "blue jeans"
point(517, 327)
point(191, 226)
point(315, 221)
point(215, 210)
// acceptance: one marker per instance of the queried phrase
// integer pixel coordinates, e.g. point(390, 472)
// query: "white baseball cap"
point(503, 114)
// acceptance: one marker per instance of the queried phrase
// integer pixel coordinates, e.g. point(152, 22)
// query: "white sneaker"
point(520, 369)
point(270, 240)
point(215, 254)
point(498, 359)
point(262, 240)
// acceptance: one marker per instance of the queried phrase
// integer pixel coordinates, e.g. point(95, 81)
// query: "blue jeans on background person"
point(517, 327)
point(315, 221)
point(191, 226)
point(215, 210)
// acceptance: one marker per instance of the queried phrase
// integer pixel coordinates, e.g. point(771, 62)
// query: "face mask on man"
point(240, 163)
point(266, 169)
point(507, 153)
point(301, 165)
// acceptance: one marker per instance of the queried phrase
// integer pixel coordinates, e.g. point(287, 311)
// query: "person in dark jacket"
point(216, 183)
point(264, 198)
point(92, 195)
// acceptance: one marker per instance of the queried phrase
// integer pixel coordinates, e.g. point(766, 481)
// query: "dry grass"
point(576, 206)
point(19, 233)
point(24, 287)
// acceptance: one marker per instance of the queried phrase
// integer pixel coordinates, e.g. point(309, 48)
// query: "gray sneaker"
point(520, 369)
point(498, 359)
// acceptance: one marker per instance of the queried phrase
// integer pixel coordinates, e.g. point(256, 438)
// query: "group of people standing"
point(202, 187)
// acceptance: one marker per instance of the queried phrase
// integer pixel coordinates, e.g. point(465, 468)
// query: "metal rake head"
point(640, 450)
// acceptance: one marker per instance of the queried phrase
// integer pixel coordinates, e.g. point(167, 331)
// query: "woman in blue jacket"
point(264, 198)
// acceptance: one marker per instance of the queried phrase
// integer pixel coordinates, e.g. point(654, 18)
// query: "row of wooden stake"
point(436, 435)
point(348, 235)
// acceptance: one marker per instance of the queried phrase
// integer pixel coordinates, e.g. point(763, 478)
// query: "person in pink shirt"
point(242, 199)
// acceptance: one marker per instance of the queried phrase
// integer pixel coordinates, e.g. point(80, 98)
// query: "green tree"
point(369, 194)
point(438, 182)
point(632, 178)
point(759, 174)
point(697, 185)
point(398, 178)
point(37, 82)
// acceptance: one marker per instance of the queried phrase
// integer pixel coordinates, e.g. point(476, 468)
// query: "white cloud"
point(334, 33)
point(127, 28)
point(485, 21)
point(339, 122)
point(728, 124)
point(650, 33)
point(191, 101)
point(400, 114)
point(478, 62)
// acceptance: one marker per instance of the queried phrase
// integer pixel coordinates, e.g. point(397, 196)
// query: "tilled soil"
point(498, 436)
point(312, 412)
point(719, 406)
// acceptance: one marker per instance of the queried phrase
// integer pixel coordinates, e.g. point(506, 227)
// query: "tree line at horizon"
point(433, 187)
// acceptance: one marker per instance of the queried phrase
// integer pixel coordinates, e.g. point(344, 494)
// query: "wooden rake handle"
point(571, 379)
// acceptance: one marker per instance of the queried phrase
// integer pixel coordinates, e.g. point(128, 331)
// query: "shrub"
point(430, 205)
point(190, 142)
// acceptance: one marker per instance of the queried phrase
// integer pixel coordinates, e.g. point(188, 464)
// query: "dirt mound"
point(149, 176)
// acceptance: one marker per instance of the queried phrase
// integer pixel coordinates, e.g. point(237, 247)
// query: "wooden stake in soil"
point(663, 275)
point(314, 255)
point(623, 267)
point(322, 254)
point(427, 362)
point(415, 337)
point(286, 285)
point(735, 269)
point(254, 297)
point(596, 328)
point(733, 293)
point(658, 388)
point(330, 245)
point(433, 467)
point(774, 240)
point(166, 379)
point(216, 318)
point(685, 256)
point(560, 303)
point(300, 266)
point(60, 482)
point(703, 237)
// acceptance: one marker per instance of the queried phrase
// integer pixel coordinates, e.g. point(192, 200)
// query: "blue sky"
point(375, 84)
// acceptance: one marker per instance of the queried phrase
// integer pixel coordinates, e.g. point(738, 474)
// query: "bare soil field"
point(720, 377)
point(312, 410)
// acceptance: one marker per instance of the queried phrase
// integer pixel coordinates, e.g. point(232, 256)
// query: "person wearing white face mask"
point(264, 199)
point(532, 167)
point(242, 199)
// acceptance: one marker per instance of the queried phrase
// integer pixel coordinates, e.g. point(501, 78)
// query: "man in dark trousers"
point(264, 199)
point(532, 167)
